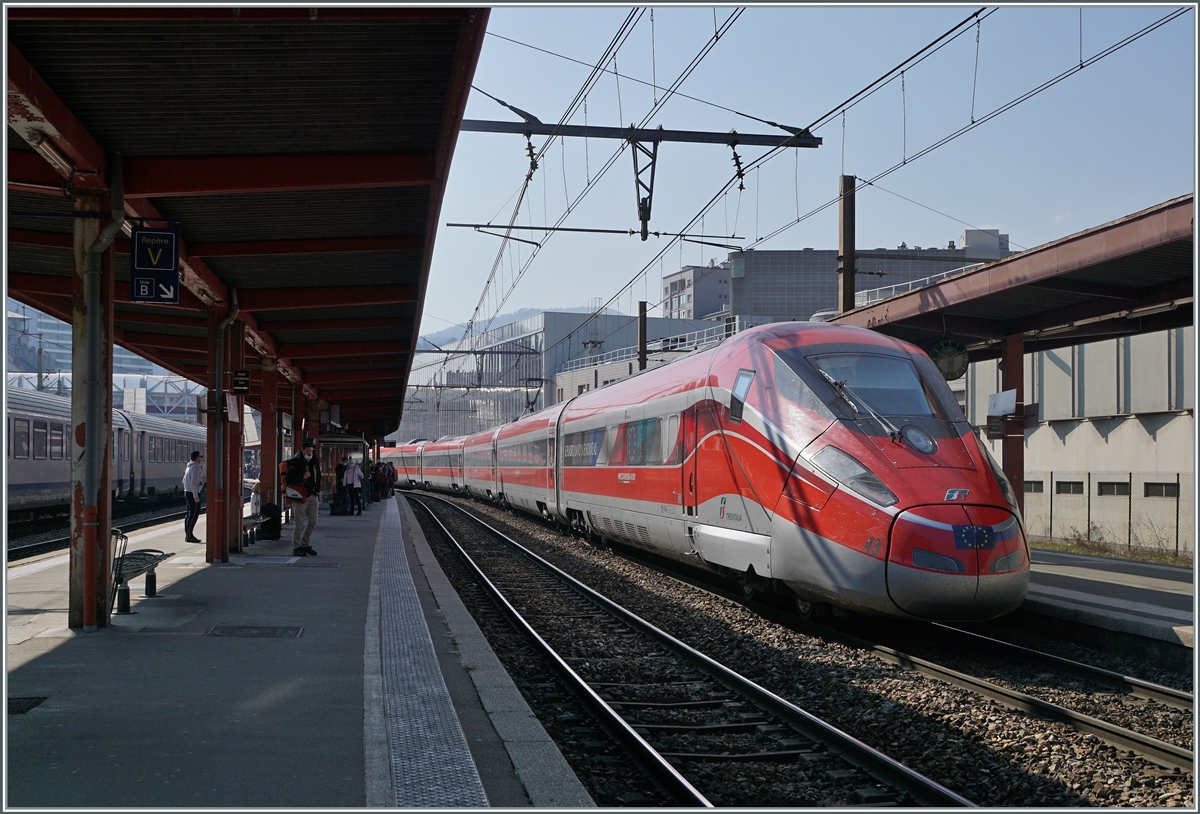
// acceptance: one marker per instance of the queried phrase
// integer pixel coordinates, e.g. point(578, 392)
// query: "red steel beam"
point(351, 395)
point(328, 246)
point(167, 14)
point(323, 350)
point(333, 325)
point(225, 175)
point(280, 299)
point(30, 172)
point(190, 344)
point(353, 376)
point(55, 240)
point(1157, 226)
point(195, 319)
point(33, 106)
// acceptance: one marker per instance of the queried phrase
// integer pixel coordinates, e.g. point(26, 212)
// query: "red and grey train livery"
point(831, 459)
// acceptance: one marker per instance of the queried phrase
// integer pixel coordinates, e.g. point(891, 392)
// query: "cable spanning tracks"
point(969, 645)
point(675, 710)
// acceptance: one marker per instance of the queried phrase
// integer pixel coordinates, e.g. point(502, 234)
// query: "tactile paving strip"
point(431, 762)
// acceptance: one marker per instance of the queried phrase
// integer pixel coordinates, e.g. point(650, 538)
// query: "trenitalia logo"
point(955, 494)
point(722, 508)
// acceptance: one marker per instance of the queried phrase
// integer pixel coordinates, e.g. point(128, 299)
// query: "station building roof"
point(302, 152)
point(1131, 276)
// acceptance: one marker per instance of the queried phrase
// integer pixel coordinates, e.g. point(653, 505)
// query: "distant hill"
point(455, 332)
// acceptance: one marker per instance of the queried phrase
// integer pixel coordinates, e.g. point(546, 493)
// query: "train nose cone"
point(957, 562)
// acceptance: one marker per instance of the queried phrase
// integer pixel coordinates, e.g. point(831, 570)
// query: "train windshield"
point(890, 385)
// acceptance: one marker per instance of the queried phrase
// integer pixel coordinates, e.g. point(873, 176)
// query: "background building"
point(509, 371)
point(781, 286)
point(29, 329)
point(697, 292)
point(1110, 439)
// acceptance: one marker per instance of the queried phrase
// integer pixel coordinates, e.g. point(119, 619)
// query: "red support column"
point(89, 576)
point(234, 458)
point(215, 510)
point(1012, 369)
point(268, 451)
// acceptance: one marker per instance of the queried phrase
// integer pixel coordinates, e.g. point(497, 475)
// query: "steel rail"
point(58, 543)
point(665, 776)
point(1158, 751)
point(920, 788)
point(1170, 696)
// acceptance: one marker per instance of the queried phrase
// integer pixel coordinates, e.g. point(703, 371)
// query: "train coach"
point(148, 454)
point(830, 460)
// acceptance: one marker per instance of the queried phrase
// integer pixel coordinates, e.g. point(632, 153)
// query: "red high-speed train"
point(829, 459)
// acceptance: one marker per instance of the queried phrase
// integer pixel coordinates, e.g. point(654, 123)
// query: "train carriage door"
point(690, 456)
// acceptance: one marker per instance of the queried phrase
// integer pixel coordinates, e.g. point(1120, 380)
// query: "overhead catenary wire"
point(926, 51)
point(1049, 83)
point(670, 92)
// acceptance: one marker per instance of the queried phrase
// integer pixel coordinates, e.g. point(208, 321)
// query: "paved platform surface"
point(1143, 599)
point(354, 678)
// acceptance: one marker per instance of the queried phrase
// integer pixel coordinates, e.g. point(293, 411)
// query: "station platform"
point(354, 678)
point(1138, 608)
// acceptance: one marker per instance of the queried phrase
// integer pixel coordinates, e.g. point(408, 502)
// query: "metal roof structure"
point(303, 154)
point(1135, 275)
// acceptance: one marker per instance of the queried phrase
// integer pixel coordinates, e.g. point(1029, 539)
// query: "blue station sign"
point(154, 266)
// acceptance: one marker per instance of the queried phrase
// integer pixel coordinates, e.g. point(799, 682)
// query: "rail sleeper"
point(134, 564)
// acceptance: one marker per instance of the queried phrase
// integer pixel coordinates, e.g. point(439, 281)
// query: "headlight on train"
point(936, 562)
point(847, 471)
point(1009, 562)
point(1001, 478)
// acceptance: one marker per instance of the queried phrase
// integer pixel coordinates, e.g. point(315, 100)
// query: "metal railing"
point(680, 343)
point(871, 295)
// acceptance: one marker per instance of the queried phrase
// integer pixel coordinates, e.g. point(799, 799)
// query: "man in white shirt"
point(193, 485)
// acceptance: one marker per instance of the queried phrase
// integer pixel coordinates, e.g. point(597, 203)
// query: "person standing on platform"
point(193, 485)
point(304, 471)
point(354, 476)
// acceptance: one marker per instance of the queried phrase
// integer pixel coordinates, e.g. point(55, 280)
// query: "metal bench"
point(250, 526)
point(134, 564)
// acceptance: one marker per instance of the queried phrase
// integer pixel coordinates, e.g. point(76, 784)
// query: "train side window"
point(40, 439)
point(141, 438)
point(737, 398)
point(56, 441)
point(20, 437)
point(674, 448)
point(153, 456)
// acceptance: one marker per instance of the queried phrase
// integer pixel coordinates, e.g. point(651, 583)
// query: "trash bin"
point(270, 528)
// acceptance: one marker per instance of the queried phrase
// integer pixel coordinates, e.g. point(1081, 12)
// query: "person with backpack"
point(303, 480)
point(354, 477)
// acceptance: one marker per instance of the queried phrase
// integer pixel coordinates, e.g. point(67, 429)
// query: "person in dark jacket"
point(304, 471)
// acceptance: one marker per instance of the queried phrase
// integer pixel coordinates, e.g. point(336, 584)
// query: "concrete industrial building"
point(780, 286)
point(1110, 439)
point(697, 292)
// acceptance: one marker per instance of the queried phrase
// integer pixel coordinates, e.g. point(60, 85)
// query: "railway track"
point(1018, 677)
point(20, 552)
point(687, 721)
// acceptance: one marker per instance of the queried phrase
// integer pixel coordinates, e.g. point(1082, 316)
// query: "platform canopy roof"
point(1134, 275)
point(302, 153)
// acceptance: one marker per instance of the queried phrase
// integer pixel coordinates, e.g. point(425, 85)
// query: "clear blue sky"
point(1114, 138)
